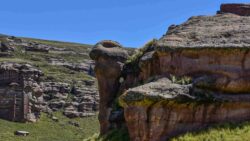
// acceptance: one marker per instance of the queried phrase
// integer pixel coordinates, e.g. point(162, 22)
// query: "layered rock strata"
point(20, 94)
point(195, 76)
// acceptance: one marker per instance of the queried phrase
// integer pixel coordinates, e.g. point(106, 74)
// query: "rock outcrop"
point(195, 76)
point(86, 67)
point(109, 57)
point(67, 86)
point(84, 102)
point(239, 9)
point(20, 93)
point(5, 46)
point(162, 109)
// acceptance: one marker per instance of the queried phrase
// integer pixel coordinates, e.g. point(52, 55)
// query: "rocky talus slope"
point(195, 76)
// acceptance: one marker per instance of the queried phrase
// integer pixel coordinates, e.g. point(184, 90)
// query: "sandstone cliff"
point(195, 76)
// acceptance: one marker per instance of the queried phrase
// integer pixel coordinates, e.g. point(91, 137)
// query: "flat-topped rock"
point(108, 49)
point(22, 133)
point(222, 30)
point(163, 88)
point(236, 8)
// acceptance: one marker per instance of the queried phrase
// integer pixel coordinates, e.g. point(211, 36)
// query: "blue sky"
point(130, 22)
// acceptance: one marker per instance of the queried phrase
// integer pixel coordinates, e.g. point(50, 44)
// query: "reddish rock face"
point(213, 51)
point(161, 109)
point(239, 9)
point(215, 55)
point(109, 57)
point(107, 73)
point(164, 120)
point(228, 69)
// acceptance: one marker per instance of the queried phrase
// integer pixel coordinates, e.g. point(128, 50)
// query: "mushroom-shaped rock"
point(109, 57)
point(109, 49)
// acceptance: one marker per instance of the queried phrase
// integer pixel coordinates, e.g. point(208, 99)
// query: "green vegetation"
point(75, 53)
point(139, 53)
point(181, 80)
point(48, 130)
point(225, 132)
point(115, 135)
point(60, 44)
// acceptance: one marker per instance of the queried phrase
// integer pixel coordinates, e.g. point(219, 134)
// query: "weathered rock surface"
point(36, 47)
point(109, 57)
point(239, 9)
point(84, 102)
point(5, 46)
point(219, 31)
point(56, 90)
point(161, 109)
point(202, 49)
point(19, 92)
point(209, 53)
point(87, 67)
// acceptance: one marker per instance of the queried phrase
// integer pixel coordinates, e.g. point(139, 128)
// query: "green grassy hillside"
point(225, 132)
point(48, 130)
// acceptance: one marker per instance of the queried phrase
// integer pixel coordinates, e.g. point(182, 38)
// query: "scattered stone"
point(76, 124)
point(55, 119)
point(21, 133)
point(86, 67)
point(36, 47)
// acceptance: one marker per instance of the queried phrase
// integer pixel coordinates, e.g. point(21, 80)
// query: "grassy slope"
point(40, 59)
point(48, 130)
point(225, 132)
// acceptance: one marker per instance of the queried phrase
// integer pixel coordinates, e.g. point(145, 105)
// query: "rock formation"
point(74, 96)
point(239, 9)
point(109, 57)
point(195, 76)
point(19, 92)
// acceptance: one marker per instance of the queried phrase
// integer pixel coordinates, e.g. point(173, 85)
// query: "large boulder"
point(109, 58)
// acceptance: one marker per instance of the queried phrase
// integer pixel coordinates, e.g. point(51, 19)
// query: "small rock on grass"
point(22, 133)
